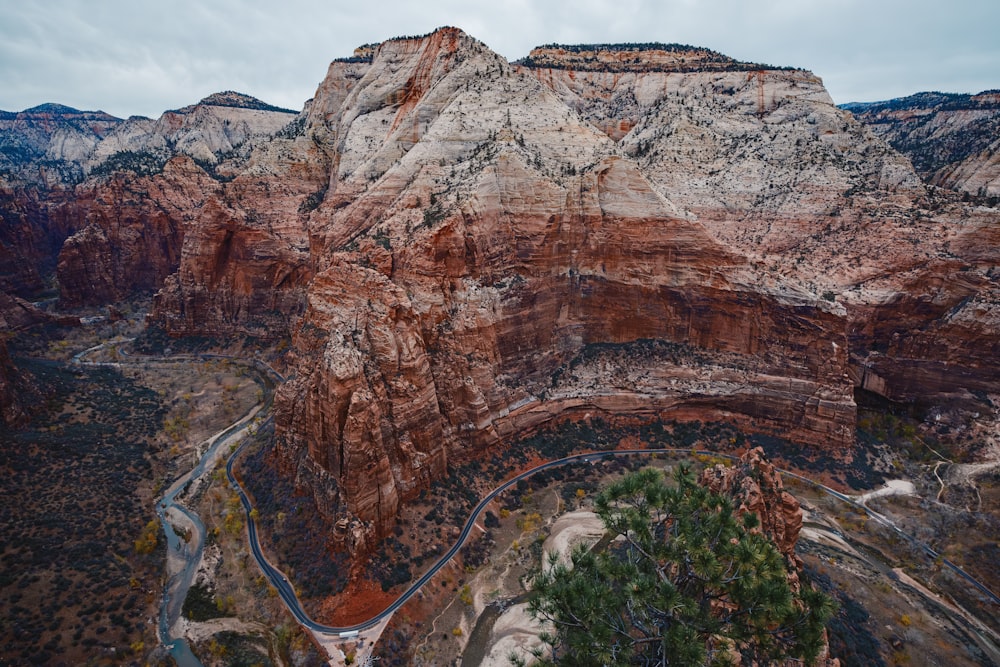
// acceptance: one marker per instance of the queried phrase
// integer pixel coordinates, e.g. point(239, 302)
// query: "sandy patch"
point(894, 487)
point(196, 632)
point(571, 529)
point(829, 539)
point(514, 632)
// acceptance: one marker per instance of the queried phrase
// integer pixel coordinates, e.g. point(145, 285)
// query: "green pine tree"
point(688, 583)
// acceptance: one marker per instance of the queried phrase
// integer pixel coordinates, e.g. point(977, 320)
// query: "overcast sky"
point(135, 57)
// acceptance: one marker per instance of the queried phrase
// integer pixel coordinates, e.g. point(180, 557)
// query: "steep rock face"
point(951, 138)
point(41, 154)
point(765, 161)
point(487, 261)
point(756, 487)
point(134, 229)
point(34, 223)
point(247, 261)
point(46, 145)
point(760, 157)
point(132, 211)
point(205, 131)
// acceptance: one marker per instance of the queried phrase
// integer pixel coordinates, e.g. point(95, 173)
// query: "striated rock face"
point(41, 154)
point(131, 212)
point(952, 139)
point(463, 249)
point(46, 145)
point(650, 57)
point(772, 169)
point(206, 131)
point(487, 260)
point(133, 234)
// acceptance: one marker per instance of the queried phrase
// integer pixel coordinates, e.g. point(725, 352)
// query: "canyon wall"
point(487, 259)
point(953, 139)
point(464, 249)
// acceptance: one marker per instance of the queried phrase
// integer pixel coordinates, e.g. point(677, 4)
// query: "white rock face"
point(202, 131)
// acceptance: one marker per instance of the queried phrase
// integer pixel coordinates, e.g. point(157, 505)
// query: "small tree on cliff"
point(688, 583)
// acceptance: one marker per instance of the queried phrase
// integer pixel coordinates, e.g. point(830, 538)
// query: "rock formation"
point(122, 192)
point(41, 154)
point(952, 139)
point(463, 249)
point(487, 260)
point(755, 487)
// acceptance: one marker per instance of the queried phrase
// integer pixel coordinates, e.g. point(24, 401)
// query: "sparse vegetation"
point(79, 568)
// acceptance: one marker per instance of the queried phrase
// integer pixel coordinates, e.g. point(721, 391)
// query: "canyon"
point(462, 250)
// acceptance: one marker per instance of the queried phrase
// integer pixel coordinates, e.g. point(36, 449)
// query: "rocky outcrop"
point(951, 138)
point(648, 57)
point(41, 154)
point(134, 231)
point(755, 487)
point(19, 397)
point(772, 169)
point(208, 131)
point(131, 212)
point(46, 145)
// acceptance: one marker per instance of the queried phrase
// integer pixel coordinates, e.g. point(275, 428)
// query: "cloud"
point(143, 58)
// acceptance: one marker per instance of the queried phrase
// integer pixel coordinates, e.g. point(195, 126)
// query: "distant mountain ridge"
point(953, 139)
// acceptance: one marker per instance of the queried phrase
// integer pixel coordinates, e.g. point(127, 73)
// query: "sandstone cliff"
point(499, 246)
point(46, 145)
point(488, 260)
point(464, 249)
point(771, 168)
point(41, 160)
point(118, 185)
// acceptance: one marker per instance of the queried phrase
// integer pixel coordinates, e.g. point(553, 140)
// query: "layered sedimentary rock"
point(122, 192)
point(46, 145)
point(488, 260)
point(41, 160)
point(134, 230)
point(464, 249)
point(765, 161)
point(756, 487)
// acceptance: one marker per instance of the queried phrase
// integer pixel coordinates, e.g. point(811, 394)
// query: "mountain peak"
point(639, 57)
point(233, 99)
point(50, 109)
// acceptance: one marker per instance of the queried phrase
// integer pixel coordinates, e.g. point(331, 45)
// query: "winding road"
point(287, 592)
point(179, 584)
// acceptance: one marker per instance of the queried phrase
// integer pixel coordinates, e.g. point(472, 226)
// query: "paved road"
point(287, 592)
